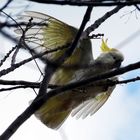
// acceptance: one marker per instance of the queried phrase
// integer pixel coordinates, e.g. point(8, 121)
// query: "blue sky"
point(118, 119)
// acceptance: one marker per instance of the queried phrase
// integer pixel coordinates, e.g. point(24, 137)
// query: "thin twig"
point(138, 8)
point(7, 55)
point(19, 24)
point(16, 87)
point(6, 5)
point(24, 83)
point(17, 65)
point(99, 21)
point(19, 82)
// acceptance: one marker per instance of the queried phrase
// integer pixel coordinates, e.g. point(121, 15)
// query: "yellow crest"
point(104, 46)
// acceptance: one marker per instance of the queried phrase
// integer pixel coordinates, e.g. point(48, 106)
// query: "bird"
point(81, 101)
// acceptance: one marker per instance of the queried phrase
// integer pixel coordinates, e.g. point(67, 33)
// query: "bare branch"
point(128, 80)
point(7, 55)
point(19, 82)
point(9, 25)
point(90, 2)
point(26, 84)
point(6, 5)
point(15, 87)
point(138, 8)
point(99, 21)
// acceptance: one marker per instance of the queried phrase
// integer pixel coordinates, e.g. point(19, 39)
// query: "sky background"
point(118, 119)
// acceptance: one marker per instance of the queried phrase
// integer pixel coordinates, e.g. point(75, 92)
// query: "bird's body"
point(81, 101)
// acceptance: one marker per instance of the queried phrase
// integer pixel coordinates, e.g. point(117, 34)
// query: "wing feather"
point(91, 106)
point(53, 30)
point(47, 32)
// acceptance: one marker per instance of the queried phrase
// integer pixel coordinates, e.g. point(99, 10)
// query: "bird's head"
point(112, 56)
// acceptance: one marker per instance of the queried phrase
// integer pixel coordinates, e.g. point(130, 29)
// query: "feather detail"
point(55, 32)
point(91, 106)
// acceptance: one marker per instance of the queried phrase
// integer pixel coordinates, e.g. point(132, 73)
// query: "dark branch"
point(21, 83)
point(9, 25)
point(89, 3)
point(7, 55)
point(15, 87)
point(26, 84)
point(138, 8)
point(6, 5)
point(99, 21)
point(128, 80)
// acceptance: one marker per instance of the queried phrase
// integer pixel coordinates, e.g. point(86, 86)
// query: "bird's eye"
point(114, 57)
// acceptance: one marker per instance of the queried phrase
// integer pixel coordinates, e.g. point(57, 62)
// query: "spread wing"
point(46, 31)
point(91, 106)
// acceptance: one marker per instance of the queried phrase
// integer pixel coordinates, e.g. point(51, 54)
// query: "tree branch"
point(6, 5)
point(16, 87)
point(24, 84)
point(89, 3)
point(21, 83)
point(99, 21)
